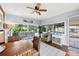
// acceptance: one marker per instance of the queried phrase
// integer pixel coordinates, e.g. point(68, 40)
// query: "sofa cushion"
point(26, 35)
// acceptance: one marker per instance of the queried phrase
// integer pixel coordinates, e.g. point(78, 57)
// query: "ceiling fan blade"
point(32, 12)
point(43, 10)
point(38, 12)
point(31, 8)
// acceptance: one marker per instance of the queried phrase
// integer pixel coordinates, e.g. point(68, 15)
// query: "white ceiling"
point(53, 9)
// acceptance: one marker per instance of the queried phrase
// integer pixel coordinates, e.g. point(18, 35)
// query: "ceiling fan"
point(37, 9)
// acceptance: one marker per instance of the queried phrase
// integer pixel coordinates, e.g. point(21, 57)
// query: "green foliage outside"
point(43, 28)
point(19, 28)
point(33, 28)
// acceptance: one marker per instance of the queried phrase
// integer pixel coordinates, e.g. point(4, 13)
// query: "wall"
point(62, 18)
point(9, 18)
point(13, 19)
point(52, 20)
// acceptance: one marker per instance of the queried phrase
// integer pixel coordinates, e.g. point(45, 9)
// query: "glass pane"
point(33, 28)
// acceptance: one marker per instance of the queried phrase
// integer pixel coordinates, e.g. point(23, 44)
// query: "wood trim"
point(3, 21)
point(3, 12)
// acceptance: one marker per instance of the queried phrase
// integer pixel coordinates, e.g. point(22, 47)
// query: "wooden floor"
point(14, 48)
point(18, 47)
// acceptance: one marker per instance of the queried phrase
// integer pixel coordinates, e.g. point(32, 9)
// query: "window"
point(33, 28)
point(59, 27)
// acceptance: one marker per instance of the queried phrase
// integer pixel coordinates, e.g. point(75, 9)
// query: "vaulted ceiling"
point(53, 9)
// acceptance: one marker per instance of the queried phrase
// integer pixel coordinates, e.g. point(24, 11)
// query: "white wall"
point(62, 18)
point(9, 18)
point(13, 19)
point(6, 35)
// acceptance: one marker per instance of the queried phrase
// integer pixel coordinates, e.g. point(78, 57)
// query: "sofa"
point(13, 38)
point(46, 37)
point(26, 35)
